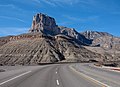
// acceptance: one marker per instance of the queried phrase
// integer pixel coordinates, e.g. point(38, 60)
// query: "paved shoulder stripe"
point(15, 77)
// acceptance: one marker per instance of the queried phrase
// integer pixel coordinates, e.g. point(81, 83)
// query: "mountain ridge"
point(47, 42)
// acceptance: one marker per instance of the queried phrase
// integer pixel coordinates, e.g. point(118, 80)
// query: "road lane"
point(41, 78)
point(14, 78)
point(110, 78)
point(70, 78)
point(90, 78)
point(64, 77)
point(55, 76)
point(15, 73)
point(12, 71)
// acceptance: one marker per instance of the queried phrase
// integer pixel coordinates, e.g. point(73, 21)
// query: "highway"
point(59, 75)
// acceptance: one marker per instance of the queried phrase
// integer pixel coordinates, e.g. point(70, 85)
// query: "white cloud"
point(12, 18)
point(49, 2)
point(69, 2)
point(85, 19)
point(60, 2)
point(36, 1)
point(11, 6)
point(4, 31)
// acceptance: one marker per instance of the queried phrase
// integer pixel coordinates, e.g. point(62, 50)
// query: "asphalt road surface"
point(58, 75)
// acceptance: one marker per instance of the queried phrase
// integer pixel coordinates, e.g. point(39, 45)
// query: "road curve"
point(64, 75)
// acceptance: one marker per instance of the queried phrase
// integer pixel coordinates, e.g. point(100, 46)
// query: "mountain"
point(47, 25)
point(4, 40)
point(73, 33)
point(36, 48)
point(46, 42)
point(103, 39)
point(94, 34)
point(104, 44)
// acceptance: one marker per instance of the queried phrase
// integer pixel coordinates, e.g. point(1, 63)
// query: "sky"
point(97, 15)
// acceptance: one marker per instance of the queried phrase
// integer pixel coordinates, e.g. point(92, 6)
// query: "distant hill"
point(107, 44)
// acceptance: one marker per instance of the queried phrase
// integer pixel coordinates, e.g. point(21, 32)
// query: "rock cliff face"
point(94, 34)
point(103, 39)
point(45, 24)
point(73, 33)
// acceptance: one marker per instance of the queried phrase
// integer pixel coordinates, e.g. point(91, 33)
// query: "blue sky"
point(99, 15)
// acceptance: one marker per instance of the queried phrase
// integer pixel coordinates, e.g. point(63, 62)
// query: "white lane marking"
point(56, 68)
point(56, 72)
point(57, 82)
point(15, 77)
point(90, 78)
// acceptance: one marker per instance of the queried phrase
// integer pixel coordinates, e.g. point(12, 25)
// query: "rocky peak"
point(44, 23)
point(73, 33)
point(94, 34)
point(69, 32)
